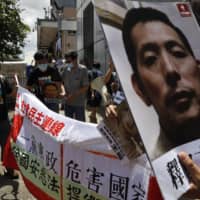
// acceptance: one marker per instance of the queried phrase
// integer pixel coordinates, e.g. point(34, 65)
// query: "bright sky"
point(33, 9)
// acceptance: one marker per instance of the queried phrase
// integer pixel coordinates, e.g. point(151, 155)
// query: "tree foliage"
point(12, 30)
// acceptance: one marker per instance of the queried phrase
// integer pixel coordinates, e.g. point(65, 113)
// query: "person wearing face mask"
point(75, 79)
point(45, 82)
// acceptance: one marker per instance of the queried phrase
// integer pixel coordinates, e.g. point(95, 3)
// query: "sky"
point(32, 9)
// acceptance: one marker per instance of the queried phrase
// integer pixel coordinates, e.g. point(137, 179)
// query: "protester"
point(116, 92)
point(60, 65)
point(75, 78)
point(5, 90)
point(51, 60)
point(94, 97)
point(166, 75)
point(45, 82)
point(29, 69)
point(99, 84)
point(96, 70)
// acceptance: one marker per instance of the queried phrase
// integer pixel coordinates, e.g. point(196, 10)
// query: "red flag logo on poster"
point(183, 9)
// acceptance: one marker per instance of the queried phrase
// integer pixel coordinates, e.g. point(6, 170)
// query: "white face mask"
point(43, 67)
point(69, 66)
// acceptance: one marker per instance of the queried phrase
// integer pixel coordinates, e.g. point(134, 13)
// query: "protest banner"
point(166, 115)
point(62, 158)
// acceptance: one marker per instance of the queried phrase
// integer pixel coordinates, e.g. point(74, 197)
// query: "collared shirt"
point(74, 80)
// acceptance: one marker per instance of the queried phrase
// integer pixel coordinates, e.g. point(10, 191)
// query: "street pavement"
point(15, 189)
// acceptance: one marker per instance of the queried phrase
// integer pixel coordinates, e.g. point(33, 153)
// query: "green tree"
point(12, 30)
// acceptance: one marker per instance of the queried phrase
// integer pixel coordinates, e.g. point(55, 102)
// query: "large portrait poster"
point(155, 50)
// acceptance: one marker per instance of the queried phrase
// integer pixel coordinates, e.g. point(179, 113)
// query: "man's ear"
point(138, 89)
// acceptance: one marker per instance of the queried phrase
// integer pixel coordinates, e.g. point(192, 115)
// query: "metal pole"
point(59, 37)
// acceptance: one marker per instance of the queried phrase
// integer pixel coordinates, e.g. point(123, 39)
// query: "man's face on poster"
point(169, 74)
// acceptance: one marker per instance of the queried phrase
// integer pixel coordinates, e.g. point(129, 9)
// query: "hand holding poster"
point(163, 87)
point(119, 128)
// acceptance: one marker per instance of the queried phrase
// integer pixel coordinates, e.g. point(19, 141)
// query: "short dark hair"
point(66, 55)
point(73, 55)
point(144, 15)
point(39, 56)
point(96, 65)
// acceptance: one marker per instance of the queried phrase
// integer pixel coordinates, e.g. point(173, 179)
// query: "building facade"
point(91, 44)
point(57, 33)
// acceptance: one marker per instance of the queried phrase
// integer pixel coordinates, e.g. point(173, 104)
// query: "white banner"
point(61, 158)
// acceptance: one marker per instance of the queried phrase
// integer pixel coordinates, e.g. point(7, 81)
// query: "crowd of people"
point(71, 86)
point(61, 85)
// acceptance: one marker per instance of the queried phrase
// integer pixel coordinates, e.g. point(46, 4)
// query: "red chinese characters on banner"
point(45, 122)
